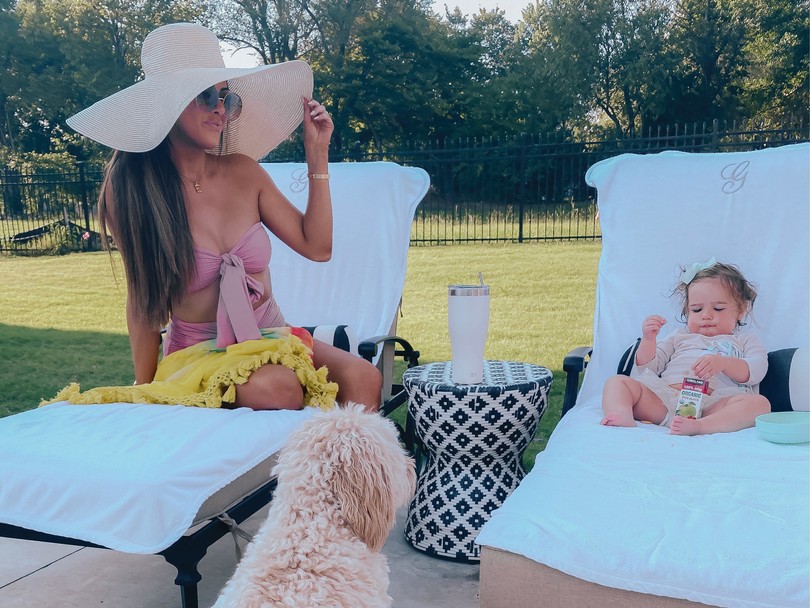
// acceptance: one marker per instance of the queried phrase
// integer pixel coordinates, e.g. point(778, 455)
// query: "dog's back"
point(341, 478)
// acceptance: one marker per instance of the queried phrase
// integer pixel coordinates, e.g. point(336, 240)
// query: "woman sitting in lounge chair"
point(186, 203)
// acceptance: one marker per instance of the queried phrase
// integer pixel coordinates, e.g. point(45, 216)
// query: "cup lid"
point(468, 290)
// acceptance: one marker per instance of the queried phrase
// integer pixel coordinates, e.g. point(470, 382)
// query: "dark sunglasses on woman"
point(209, 99)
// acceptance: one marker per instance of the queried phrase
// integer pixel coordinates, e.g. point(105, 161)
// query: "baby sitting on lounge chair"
point(716, 297)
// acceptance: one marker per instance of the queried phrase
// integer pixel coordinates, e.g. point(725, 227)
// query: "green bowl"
point(784, 427)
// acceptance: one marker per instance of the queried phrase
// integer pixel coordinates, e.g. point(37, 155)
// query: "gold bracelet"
point(318, 175)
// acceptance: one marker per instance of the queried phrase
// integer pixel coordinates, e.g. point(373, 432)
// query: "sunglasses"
point(209, 99)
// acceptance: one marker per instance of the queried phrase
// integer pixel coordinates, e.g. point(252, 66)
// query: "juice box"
point(690, 399)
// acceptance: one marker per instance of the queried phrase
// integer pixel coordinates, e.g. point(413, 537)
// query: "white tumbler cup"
point(468, 321)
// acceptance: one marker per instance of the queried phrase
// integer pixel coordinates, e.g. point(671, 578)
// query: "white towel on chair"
point(130, 477)
point(362, 283)
point(716, 211)
point(720, 519)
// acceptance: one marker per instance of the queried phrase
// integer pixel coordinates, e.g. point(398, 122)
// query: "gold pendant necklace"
point(194, 182)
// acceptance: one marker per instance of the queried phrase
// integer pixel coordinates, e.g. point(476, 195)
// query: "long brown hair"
point(148, 218)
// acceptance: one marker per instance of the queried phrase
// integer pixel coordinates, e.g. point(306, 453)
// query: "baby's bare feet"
point(685, 426)
point(614, 419)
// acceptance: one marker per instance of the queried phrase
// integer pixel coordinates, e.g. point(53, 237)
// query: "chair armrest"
point(573, 365)
point(368, 349)
point(402, 348)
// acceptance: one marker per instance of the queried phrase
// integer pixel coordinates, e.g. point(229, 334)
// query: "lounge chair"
point(171, 480)
point(636, 517)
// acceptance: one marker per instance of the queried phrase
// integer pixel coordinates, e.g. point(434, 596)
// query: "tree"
point(709, 36)
point(9, 43)
point(277, 30)
point(604, 55)
point(495, 36)
point(401, 78)
point(501, 95)
point(777, 49)
point(545, 89)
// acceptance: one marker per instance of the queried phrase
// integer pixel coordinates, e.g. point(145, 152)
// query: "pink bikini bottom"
point(182, 334)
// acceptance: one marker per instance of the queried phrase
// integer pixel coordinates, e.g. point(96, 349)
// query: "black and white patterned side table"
point(475, 436)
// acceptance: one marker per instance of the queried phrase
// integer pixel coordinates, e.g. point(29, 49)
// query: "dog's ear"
point(363, 490)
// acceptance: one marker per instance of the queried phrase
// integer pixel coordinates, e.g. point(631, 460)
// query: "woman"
point(185, 200)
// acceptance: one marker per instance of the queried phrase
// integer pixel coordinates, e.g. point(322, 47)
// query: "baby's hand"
point(651, 327)
point(709, 365)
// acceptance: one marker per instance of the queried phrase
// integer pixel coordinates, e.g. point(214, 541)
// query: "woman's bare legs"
point(625, 400)
point(357, 379)
point(724, 416)
point(271, 387)
point(275, 387)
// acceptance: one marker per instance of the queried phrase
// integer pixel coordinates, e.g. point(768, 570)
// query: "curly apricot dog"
point(341, 478)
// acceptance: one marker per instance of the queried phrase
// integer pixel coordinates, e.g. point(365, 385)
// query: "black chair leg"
point(188, 596)
point(185, 556)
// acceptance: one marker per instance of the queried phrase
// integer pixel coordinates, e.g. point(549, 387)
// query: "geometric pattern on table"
point(474, 436)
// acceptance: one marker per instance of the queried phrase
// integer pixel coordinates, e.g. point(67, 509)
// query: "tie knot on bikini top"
point(252, 249)
point(238, 292)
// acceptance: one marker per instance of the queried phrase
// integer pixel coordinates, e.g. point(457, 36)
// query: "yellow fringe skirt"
point(205, 376)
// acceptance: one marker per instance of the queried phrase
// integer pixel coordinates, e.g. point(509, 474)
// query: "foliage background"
point(394, 71)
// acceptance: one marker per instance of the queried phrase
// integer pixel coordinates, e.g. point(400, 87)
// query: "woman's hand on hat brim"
point(318, 126)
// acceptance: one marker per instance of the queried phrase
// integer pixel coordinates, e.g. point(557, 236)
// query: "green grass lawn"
point(62, 318)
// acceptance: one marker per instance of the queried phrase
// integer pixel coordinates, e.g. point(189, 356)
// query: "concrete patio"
point(51, 576)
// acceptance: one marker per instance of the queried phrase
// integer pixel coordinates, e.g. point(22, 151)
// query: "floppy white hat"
point(179, 61)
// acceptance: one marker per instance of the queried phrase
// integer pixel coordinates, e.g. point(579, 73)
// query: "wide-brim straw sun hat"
point(179, 61)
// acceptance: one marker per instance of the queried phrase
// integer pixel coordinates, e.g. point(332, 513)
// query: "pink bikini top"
point(238, 292)
point(253, 249)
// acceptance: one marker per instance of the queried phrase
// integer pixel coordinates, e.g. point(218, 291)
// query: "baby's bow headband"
point(688, 274)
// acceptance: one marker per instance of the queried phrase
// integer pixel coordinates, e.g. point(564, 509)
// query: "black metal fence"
point(49, 211)
point(518, 189)
point(531, 188)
